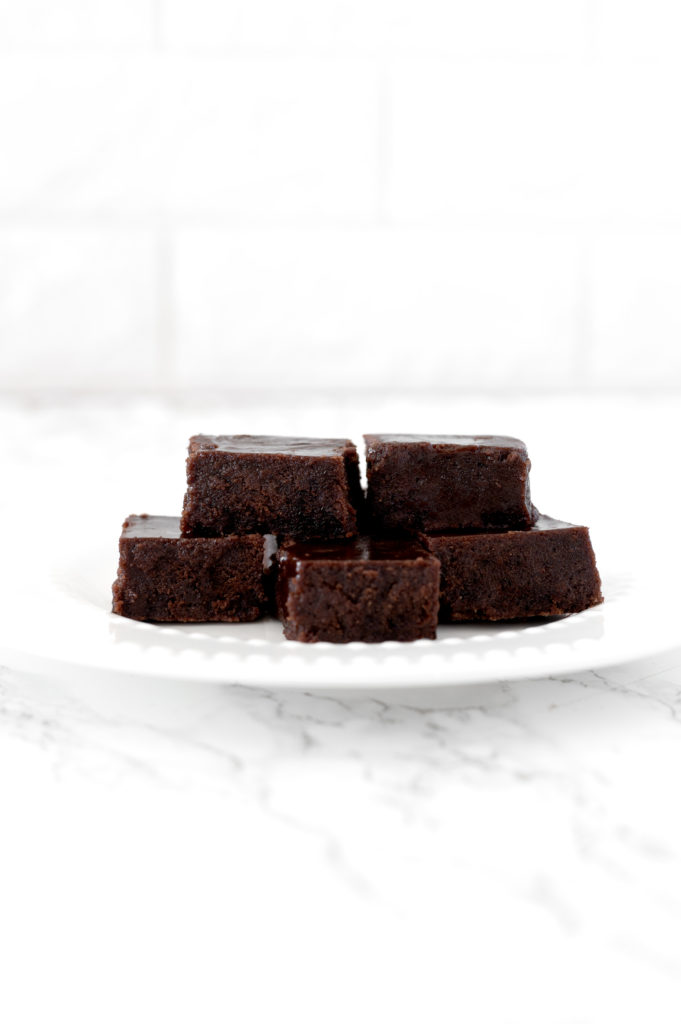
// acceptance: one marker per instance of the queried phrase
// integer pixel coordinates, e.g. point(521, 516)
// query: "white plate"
point(66, 623)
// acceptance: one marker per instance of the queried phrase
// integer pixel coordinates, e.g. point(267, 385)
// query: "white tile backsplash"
point(634, 146)
point(77, 308)
point(81, 133)
point(281, 139)
point(347, 192)
point(637, 28)
point(375, 308)
point(253, 139)
point(636, 312)
point(487, 142)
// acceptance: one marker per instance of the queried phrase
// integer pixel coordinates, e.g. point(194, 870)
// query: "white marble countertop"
point(508, 852)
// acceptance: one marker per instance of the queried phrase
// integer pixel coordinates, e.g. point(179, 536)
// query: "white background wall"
point(435, 193)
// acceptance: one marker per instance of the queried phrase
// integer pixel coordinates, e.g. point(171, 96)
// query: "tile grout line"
point(157, 25)
point(584, 319)
point(165, 334)
point(384, 134)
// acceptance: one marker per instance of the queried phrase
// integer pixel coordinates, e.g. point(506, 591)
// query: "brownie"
point(298, 487)
point(165, 577)
point(549, 569)
point(362, 589)
point(441, 482)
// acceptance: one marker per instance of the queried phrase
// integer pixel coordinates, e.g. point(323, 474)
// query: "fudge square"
point(549, 569)
point(298, 487)
point(362, 589)
point(165, 577)
point(442, 482)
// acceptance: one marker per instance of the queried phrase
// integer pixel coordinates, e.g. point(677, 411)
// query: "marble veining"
point(505, 852)
point(554, 797)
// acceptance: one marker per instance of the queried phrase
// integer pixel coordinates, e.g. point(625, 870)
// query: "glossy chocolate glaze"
point(368, 589)
point(264, 444)
point(165, 577)
point(547, 523)
point(359, 549)
point(293, 487)
point(164, 527)
point(548, 569)
point(541, 525)
point(168, 528)
point(449, 440)
point(447, 482)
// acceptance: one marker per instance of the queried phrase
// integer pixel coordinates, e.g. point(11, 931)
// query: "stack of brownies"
point(445, 531)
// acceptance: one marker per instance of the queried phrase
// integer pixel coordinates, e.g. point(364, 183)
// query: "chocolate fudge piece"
point(363, 589)
point(441, 482)
point(165, 577)
point(299, 487)
point(549, 569)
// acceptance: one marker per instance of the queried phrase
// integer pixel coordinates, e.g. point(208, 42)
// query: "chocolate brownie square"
point(363, 589)
point(165, 577)
point(296, 487)
point(442, 482)
point(549, 569)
